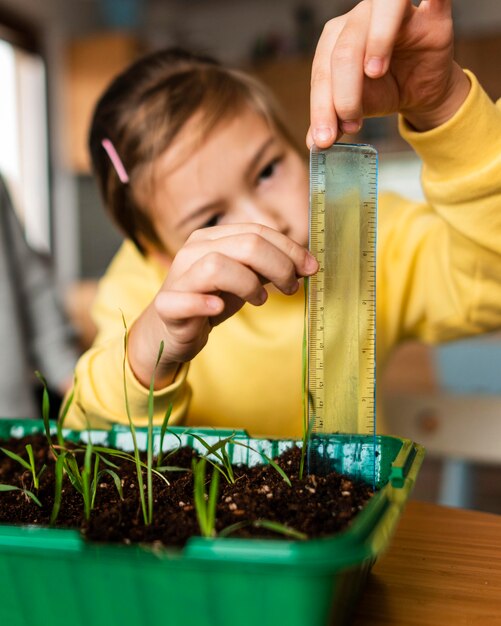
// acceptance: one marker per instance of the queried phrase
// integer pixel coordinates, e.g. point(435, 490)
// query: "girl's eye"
point(269, 170)
point(214, 221)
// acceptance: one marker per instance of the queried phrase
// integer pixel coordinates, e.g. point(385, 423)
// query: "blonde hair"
point(144, 110)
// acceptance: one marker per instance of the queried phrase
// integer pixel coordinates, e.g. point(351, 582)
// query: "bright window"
point(23, 139)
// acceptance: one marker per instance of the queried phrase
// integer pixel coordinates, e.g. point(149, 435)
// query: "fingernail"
point(351, 126)
point(214, 304)
point(311, 264)
point(263, 296)
point(293, 288)
point(374, 66)
point(324, 133)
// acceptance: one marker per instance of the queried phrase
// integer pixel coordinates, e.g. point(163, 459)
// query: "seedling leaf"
point(17, 458)
point(26, 492)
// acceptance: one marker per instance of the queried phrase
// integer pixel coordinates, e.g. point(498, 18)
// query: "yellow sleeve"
point(440, 262)
point(128, 286)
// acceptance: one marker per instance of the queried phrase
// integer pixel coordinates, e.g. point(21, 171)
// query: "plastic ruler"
point(341, 297)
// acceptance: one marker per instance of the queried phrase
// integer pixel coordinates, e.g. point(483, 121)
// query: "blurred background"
point(56, 56)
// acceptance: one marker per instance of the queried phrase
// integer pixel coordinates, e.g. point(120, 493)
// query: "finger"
point(217, 273)
point(250, 243)
point(347, 70)
point(437, 8)
point(385, 22)
point(232, 304)
point(181, 305)
point(324, 126)
point(263, 258)
point(309, 139)
point(266, 263)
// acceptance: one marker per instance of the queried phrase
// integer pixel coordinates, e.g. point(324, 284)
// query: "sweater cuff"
point(137, 393)
point(448, 146)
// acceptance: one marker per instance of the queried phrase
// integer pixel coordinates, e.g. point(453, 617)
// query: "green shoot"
point(170, 468)
point(46, 413)
point(29, 466)
point(104, 459)
point(72, 469)
point(126, 456)
point(97, 478)
point(276, 467)
point(86, 480)
point(163, 430)
point(205, 505)
point(33, 469)
point(149, 445)
point(268, 459)
point(26, 492)
point(220, 452)
point(58, 487)
point(276, 527)
point(137, 458)
point(304, 447)
point(81, 479)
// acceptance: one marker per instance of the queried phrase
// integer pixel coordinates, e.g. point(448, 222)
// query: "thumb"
point(437, 8)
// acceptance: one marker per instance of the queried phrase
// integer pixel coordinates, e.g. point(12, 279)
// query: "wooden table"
point(443, 568)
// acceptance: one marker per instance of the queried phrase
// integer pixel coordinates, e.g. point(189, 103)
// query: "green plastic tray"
point(52, 576)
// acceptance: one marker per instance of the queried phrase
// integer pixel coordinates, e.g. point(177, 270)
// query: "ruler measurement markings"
point(317, 338)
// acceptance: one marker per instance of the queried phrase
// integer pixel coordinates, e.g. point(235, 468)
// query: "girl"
point(199, 172)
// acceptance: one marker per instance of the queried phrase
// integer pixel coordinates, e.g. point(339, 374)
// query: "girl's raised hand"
point(382, 57)
point(214, 274)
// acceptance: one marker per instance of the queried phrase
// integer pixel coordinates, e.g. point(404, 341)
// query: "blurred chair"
point(453, 408)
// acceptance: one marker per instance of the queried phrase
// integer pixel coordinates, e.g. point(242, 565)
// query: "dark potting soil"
point(316, 505)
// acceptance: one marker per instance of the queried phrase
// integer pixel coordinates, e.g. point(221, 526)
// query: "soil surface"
point(316, 505)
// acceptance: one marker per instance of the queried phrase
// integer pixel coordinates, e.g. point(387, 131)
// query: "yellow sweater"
point(439, 277)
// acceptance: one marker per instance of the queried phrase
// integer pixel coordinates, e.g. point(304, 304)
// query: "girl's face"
point(244, 172)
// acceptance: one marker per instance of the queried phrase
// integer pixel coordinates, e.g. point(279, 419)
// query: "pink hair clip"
point(116, 161)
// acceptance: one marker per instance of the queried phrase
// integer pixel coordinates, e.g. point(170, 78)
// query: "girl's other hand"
point(385, 57)
point(214, 274)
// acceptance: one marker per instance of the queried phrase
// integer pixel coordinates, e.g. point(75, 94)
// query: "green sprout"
point(29, 466)
point(163, 431)
point(26, 492)
point(59, 456)
point(149, 445)
point(137, 458)
point(224, 466)
point(80, 479)
point(46, 414)
point(146, 501)
point(127, 456)
point(221, 453)
point(58, 487)
point(86, 480)
point(276, 527)
point(205, 505)
point(267, 459)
